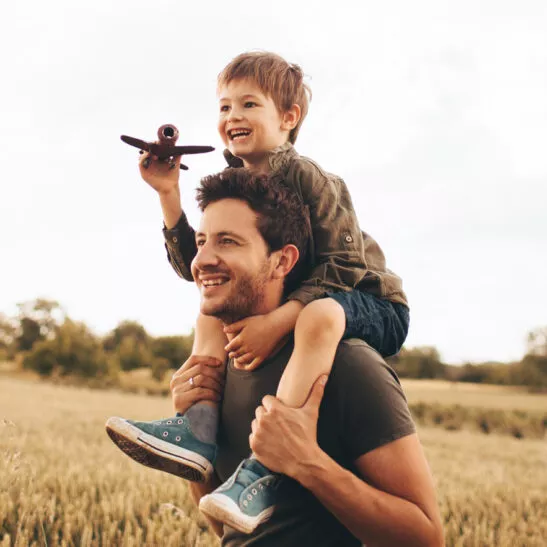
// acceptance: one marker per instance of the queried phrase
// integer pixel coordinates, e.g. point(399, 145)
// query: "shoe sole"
point(223, 509)
point(157, 454)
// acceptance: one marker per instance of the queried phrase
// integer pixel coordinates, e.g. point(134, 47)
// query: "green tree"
point(175, 349)
point(419, 362)
point(8, 333)
point(126, 329)
point(132, 354)
point(75, 350)
point(38, 320)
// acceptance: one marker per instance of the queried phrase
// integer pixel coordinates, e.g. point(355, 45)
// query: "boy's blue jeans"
point(380, 323)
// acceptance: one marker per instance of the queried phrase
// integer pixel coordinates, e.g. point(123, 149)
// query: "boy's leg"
point(209, 340)
point(382, 324)
point(318, 331)
point(183, 445)
point(248, 498)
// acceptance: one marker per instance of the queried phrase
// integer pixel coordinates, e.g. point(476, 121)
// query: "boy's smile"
point(250, 124)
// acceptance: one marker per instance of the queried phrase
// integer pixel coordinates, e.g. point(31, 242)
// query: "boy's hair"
point(282, 81)
point(282, 217)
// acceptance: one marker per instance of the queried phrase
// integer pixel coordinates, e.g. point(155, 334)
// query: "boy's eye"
point(200, 242)
point(249, 104)
point(224, 108)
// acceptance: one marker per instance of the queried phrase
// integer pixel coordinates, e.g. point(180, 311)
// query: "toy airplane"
point(165, 148)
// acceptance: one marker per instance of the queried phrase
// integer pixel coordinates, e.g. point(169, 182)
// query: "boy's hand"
point(254, 339)
point(163, 176)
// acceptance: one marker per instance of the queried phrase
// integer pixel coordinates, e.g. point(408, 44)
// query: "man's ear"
point(291, 118)
point(286, 259)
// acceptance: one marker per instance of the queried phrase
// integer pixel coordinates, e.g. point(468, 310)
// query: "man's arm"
point(397, 505)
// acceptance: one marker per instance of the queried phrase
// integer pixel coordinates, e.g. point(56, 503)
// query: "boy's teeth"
point(239, 133)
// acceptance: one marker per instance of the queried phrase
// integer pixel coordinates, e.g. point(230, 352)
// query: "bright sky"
point(434, 112)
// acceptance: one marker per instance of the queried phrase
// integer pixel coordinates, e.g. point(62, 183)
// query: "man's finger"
point(270, 402)
point(209, 382)
point(316, 393)
point(259, 412)
point(199, 370)
point(196, 359)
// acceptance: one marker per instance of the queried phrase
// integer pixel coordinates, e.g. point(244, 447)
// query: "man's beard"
point(245, 299)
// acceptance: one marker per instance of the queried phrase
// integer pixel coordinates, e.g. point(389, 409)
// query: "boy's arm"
point(180, 244)
point(179, 235)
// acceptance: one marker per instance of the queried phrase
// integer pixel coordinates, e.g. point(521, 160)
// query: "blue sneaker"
point(246, 499)
point(168, 445)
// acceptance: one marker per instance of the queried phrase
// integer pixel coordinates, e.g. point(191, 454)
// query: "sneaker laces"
point(250, 471)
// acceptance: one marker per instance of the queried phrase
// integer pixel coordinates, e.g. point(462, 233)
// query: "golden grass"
point(62, 482)
point(475, 395)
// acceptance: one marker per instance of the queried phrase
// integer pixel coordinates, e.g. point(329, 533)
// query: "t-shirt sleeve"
point(372, 406)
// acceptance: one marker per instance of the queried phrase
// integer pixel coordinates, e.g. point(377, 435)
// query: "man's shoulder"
point(362, 360)
point(355, 348)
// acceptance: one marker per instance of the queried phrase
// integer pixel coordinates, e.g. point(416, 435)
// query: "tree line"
point(43, 338)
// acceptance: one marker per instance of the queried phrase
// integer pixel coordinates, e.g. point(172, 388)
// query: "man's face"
point(232, 268)
point(250, 124)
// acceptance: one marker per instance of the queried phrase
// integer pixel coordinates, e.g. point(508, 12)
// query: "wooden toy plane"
point(165, 148)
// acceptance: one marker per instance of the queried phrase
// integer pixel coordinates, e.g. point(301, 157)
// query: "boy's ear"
point(291, 118)
point(286, 259)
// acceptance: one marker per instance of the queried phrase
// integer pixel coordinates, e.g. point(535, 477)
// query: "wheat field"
point(63, 483)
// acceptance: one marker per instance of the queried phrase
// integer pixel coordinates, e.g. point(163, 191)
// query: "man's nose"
point(206, 257)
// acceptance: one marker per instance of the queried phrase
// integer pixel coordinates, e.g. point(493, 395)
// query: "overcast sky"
point(434, 112)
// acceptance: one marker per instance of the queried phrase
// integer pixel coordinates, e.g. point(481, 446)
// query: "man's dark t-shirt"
point(363, 408)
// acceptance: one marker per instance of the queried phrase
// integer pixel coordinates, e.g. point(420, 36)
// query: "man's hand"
point(161, 175)
point(199, 379)
point(283, 438)
point(254, 338)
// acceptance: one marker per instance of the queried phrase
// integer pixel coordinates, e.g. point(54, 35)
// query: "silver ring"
point(191, 381)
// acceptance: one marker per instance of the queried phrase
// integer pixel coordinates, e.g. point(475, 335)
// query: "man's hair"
point(282, 217)
point(282, 81)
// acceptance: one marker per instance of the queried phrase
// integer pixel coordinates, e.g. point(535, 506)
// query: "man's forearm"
point(373, 516)
point(171, 207)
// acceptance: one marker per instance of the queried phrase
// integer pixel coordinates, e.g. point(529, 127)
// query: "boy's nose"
point(235, 114)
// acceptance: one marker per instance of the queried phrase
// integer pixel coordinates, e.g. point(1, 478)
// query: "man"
point(358, 471)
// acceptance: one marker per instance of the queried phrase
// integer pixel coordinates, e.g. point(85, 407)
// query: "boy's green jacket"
point(344, 258)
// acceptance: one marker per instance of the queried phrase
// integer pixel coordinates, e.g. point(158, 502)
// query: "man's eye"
point(250, 104)
point(227, 241)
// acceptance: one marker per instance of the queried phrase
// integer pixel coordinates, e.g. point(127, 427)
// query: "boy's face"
point(250, 124)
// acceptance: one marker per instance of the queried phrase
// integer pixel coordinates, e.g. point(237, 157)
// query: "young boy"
point(349, 291)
